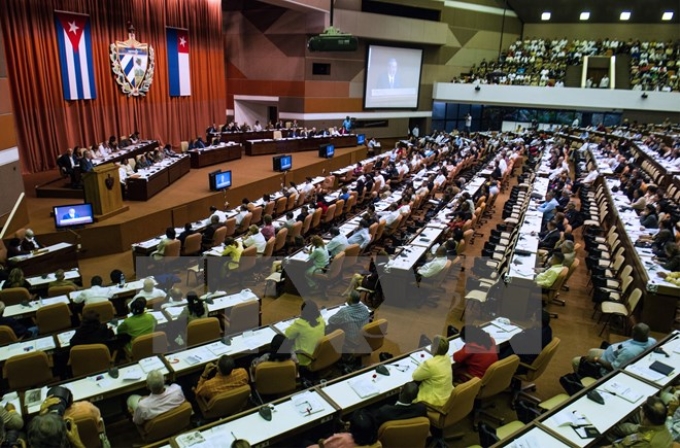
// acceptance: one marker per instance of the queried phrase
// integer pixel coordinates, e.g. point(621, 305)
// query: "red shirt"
point(475, 359)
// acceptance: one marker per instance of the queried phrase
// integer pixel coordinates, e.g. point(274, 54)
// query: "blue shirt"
point(361, 237)
point(548, 209)
point(619, 354)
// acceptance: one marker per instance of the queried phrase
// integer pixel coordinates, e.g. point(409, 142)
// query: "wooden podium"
point(102, 190)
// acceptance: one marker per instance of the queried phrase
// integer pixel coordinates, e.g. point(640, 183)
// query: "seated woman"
point(435, 375)
point(140, 323)
point(306, 330)
point(649, 218)
point(195, 309)
point(280, 349)
point(477, 355)
point(16, 279)
point(317, 260)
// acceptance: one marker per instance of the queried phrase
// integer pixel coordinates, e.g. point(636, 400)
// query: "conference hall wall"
point(48, 123)
point(266, 55)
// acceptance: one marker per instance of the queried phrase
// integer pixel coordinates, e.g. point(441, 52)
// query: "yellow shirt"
point(305, 337)
point(235, 253)
point(674, 278)
point(546, 278)
point(436, 380)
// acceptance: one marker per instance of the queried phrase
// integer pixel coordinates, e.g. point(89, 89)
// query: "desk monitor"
point(73, 215)
point(361, 139)
point(327, 151)
point(219, 180)
point(283, 163)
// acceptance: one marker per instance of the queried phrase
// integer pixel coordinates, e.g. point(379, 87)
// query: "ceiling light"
point(585, 15)
point(545, 16)
point(668, 15)
point(625, 15)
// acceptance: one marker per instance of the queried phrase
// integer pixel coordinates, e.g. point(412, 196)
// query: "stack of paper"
point(622, 391)
point(308, 403)
point(565, 418)
point(152, 363)
point(65, 337)
point(218, 348)
point(364, 387)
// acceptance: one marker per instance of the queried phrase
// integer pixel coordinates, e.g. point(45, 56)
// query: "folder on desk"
point(364, 387)
point(661, 368)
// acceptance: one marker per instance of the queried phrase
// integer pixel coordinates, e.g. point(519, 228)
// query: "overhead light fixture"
point(668, 15)
point(545, 16)
point(585, 15)
point(625, 15)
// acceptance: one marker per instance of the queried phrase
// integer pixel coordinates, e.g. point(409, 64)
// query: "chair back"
point(306, 224)
point(411, 432)
point(244, 316)
point(230, 224)
point(459, 405)
point(245, 223)
point(27, 370)
point(330, 214)
point(277, 135)
point(633, 300)
point(335, 269)
point(257, 215)
point(374, 333)
point(55, 291)
point(149, 345)
point(351, 202)
point(295, 231)
point(53, 318)
point(192, 244)
point(88, 430)
point(557, 284)
point(167, 424)
point(269, 248)
point(105, 310)
point(281, 237)
point(88, 359)
point(219, 236)
point(316, 218)
point(351, 255)
point(275, 377)
point(339, 208)
point(203, 330)
point(269, 208)
point(173, 248)
point(184, 147)
point(248, 260)
point(436, 280)
point(281, 205)
point(292, 201)
point(542, 360)
point(498, 376)
point(14, 296)
point(328, 351)
point(225, 403)
point(7, 335)
point(572, 268)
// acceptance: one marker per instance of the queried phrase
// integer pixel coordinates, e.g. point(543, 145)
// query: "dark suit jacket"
point(391, 412)
point(548, 240)
point(384, 82)
point(28, 246)
point(183, 236)
point(18, 329)
point(86, 165)
point(65, 164)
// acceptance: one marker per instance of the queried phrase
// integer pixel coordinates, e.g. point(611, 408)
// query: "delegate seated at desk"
point(255, 238)
point(220, 377)
point(528, 343)
point(338, 242)
point(95, 294)
point(611, 357)
point(232, 249)
point(150, 292)
point(434, 375)
point(91, 330)
point(16, 279)
point(476, 356)
point(29, 242)
point(404, 408)
point(549, 206)
point(306, 331)
point(351, 319)
point(361, 236)
point(140, 323)
point(651, 432)
point(19, 329)
point(672, 257)
point(60, 280)
point(162, 399)
point(547, 278)
point(363, 433)
point(434, 266)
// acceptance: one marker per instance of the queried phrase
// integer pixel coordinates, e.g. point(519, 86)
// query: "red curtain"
point(47, 124)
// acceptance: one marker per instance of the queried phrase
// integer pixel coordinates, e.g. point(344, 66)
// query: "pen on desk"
point(234, 435)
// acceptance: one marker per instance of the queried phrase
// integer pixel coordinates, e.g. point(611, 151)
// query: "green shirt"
point(136, 326)
point(546, 278)
point(305, 336)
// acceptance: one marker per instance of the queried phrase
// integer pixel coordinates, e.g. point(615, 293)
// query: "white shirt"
point(389, 216)
point(590, 178)
point(257, 240)
point(440, 179)
point(156, 404)
point(242, 214)
point(502, 164)
point(153, 294)
point(257, 127)
point(433, 267)
point(95, 294)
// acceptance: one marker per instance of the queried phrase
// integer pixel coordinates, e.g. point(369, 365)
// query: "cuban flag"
point(178, 62)
point(75, 54)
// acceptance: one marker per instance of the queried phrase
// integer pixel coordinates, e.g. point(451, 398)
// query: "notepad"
point(218, 348)
point(566, 418)
point(645, 372)
point(622, 391)
point(364, 388)
point(308, 403)
point(152, 363)
point(661, 368)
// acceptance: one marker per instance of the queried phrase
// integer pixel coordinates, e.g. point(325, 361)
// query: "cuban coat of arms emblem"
point(132, 63)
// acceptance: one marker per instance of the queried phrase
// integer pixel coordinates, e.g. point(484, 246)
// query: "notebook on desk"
point(661, 368)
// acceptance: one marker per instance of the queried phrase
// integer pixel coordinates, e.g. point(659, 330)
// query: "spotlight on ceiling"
point(625, 15)
point(668, 15)
point(545, 16)
point(585, 15)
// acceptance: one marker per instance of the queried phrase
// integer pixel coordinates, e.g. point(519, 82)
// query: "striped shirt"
point(351, 319)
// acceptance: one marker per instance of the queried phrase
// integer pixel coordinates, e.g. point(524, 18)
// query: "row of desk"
point(297, 144)
point(130, 151)
point(212, 155)
point(48, 259)
point(148, 182)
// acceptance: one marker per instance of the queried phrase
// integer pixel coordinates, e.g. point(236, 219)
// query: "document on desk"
point(35, 397)
point(65, 338)
point(218, 348)
point(194, 439)
point(528, 441)
point(364, 387)
point(199, 356)
point(645, 372)
point(308, 403)
point(566, 418)
point(503, 325)
point(151, 363)
point(134, 373)
point(174, 311)
point(622, 391)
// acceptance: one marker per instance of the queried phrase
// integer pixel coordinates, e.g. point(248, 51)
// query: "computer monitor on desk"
point(73, 215)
